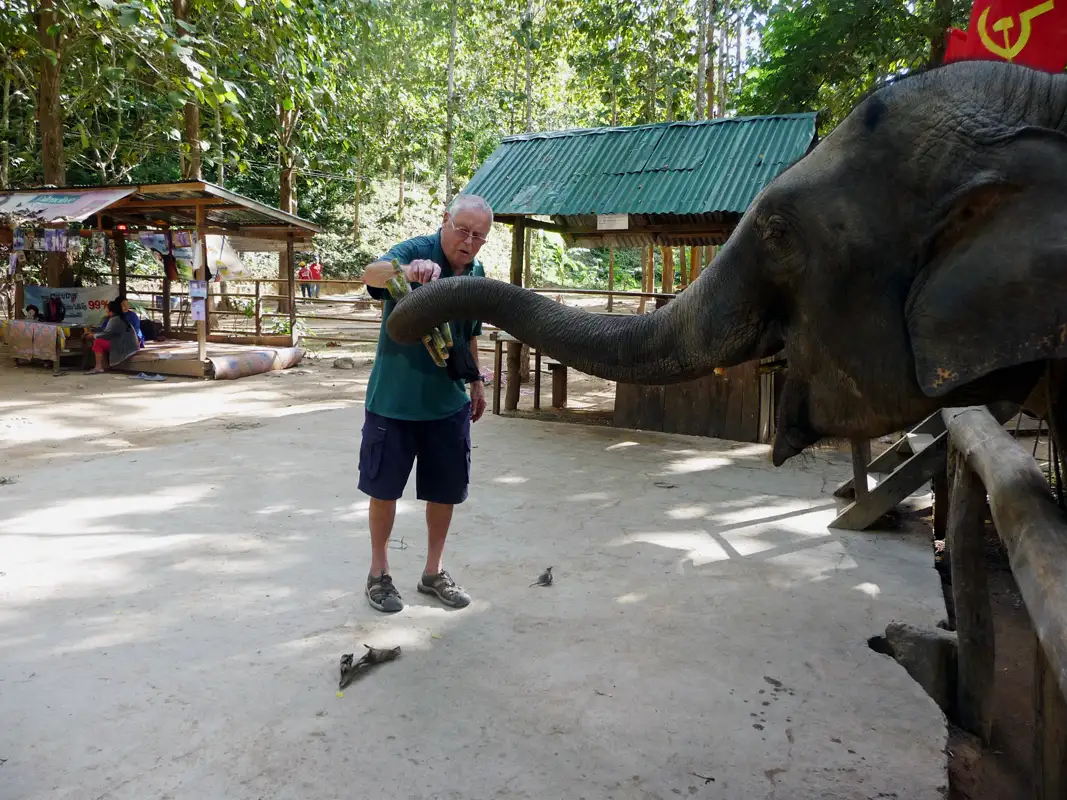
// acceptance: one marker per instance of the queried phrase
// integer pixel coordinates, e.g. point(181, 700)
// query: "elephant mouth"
point(790, 442)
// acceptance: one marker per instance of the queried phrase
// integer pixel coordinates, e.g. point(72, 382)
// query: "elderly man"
point(415, 411)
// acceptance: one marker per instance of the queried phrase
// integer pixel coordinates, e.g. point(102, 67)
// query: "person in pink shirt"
point(316, 276)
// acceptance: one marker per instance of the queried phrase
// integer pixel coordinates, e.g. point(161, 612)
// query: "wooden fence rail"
point(987, 460)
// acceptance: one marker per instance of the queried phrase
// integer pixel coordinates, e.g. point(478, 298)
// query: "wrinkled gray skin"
point(915, 259)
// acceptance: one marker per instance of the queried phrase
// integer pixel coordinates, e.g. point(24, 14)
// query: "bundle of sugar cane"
point(435, 342)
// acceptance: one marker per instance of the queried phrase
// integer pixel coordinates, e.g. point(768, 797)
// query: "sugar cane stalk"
point(435, 342)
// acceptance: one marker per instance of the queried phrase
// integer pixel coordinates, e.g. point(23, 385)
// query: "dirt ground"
point(74, 418)
point(182, 570)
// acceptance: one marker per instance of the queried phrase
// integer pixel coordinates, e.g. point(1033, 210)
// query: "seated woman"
point(132, 318)
point(118, 340)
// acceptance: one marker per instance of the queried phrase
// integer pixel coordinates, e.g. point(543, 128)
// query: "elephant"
point(914, 259)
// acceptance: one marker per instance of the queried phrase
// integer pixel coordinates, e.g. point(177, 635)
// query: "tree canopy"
point(305, 103)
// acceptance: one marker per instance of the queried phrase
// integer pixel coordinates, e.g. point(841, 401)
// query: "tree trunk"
point(737, 65)
point(191, 170)
point(529, 67)
point(5, 141)
point(287, 200)
point(355, 207)
point(713, 9)
point(723, 42)
point(939, 41)
point(702, 57)
point(49, 110)
point(50, 119)
point(219, 144)
point(450, 118)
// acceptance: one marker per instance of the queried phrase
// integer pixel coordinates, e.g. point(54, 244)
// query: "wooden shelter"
point(125, 210)
point(676, 184)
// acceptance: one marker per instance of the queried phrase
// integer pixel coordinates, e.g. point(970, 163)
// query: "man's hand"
point(422, 270)
point(477, 400)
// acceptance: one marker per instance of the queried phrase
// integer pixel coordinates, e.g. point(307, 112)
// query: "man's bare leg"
point(381, 592)
point(434, 578)
point(438, 518)
point(382, 515)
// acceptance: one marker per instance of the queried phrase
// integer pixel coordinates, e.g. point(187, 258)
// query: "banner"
point(183, 254)
point(1026, 32)
point(85, 306)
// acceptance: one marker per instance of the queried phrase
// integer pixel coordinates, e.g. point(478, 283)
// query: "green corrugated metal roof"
point(671, 168)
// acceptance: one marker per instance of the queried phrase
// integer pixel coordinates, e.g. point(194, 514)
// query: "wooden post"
point(20, 291)
point(518, 239)
point(166, 306)
point(497, 358)
point(1050, 731)
point(667, 283)
point(258, 309)
point(645, 269)
point(683, 268)
point(201, 275)
point(694, 262)
point(290, 272)
point(861, 457)
point(537, 379)
point(611, 278)
point(120, 259)
point(970, 597)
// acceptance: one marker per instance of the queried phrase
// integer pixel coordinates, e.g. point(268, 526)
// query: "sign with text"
point(86, 306)
point(612, 222)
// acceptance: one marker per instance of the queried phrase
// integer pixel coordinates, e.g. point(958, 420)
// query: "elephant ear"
point(992, 291)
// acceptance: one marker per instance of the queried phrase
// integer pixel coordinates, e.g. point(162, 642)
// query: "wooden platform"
point(224, 361)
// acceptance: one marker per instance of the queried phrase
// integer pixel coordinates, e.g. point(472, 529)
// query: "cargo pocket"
point(467, 448)
point(371, 450)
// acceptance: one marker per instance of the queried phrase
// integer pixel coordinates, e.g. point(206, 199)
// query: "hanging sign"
point(612, 222)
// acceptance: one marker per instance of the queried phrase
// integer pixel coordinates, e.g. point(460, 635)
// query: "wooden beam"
point(911, 474)
point(290, 272)
point(970, 597)
point(201, 275)
point(861, 457)
point(119, 242)
point(1030, 524)
point(190, 203)
point(518, 240)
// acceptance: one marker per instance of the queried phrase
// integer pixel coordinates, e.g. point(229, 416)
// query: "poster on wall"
point(18, 239)
point(156, 243)
point(222, 260)
point(199, 308)
point(85, 306)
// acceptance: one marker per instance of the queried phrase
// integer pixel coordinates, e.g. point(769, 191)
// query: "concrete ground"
point(172, 617)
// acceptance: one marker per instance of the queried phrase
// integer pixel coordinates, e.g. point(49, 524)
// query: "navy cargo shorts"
point(442, 448)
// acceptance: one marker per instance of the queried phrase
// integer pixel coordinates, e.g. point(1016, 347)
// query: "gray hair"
point(469, 202)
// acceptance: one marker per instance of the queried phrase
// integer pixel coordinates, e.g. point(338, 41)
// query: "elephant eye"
point(775, 228)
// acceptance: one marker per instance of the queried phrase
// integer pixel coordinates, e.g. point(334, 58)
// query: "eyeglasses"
point(477, 238)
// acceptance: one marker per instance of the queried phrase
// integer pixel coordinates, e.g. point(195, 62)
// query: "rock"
point(344, 363)
point(929, 656)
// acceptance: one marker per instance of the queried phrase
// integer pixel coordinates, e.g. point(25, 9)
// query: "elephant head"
point(916, 258)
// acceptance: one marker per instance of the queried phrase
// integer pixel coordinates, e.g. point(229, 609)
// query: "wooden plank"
point(1050, 732)
point(891, 458)
point(497, 375)
point(650, 410)
point(685, 408)
point(627, 400)
point(970, 596)
point(1028, 520)
point(559, 385)
point(537, 380)
point(750, 407)
point(861, 457)
point(290, 274)
point(918, 469)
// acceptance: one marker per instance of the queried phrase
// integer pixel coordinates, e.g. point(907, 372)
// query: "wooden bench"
point(558, 370)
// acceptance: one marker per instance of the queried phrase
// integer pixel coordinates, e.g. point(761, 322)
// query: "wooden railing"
point(984, 459)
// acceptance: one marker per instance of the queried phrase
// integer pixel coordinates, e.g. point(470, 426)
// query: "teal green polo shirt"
point(405, 383)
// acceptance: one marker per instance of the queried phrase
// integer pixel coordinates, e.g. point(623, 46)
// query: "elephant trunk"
point(707, 326)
